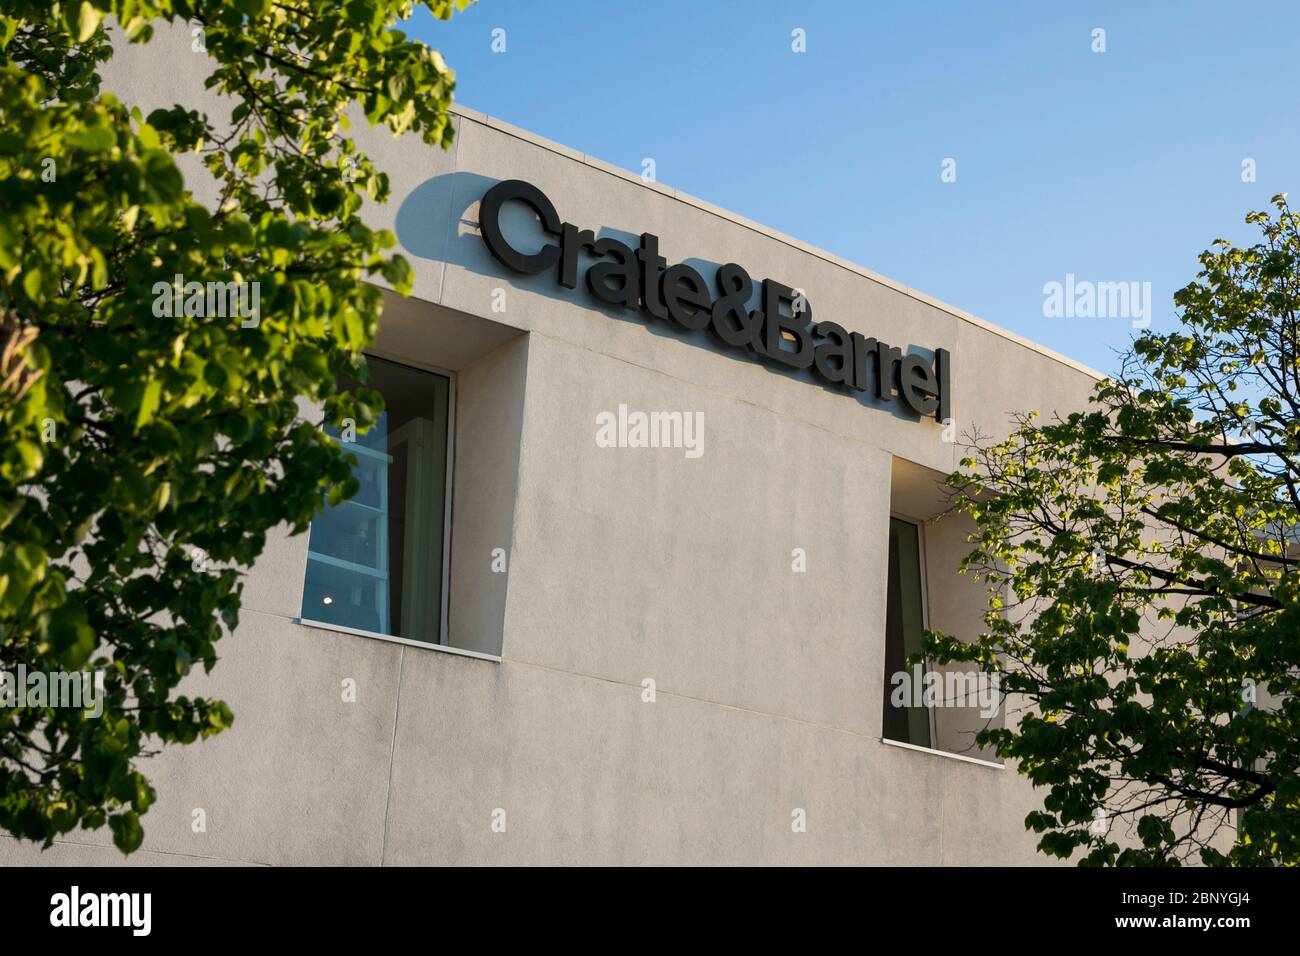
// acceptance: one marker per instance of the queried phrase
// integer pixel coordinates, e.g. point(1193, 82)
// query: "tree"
point(1144, 600)
point(150, 429)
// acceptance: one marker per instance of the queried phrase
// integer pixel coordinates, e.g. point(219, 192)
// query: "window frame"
point(923, 574)
point(442, 643)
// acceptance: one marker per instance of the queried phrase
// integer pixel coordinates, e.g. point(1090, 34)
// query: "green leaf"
point(87, 21)
point(149, 399)
point(127, 832)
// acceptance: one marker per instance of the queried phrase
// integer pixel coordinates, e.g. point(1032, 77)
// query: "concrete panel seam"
point(451, 212)
point(392, 751)
point(773, 715)
point(146, 849)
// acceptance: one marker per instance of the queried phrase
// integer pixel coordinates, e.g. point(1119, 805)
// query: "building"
point(618, 588)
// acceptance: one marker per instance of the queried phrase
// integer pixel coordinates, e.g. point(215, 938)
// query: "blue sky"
point(1118, 166)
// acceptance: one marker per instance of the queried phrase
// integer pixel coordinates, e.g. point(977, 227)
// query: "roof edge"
point(600, 164)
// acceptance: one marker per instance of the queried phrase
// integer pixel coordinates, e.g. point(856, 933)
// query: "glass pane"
point(344, 596)
point(375, 561)
point(906, 719)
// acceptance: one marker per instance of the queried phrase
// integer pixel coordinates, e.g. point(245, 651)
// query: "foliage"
point(147, 449)
point(1142, 561)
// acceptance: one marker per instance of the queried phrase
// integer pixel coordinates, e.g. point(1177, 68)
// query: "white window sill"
point(943, 753)
point(406, 642)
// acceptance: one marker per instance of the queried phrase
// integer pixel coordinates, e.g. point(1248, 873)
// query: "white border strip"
point(375, 635)
point(943, 753)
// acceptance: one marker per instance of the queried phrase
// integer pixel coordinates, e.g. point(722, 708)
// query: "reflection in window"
point(905, 720)
point(375, 561)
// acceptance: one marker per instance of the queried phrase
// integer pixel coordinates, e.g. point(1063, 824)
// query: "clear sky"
point(1114, 166)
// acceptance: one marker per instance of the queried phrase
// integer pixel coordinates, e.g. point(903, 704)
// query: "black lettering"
point(490, 223)
point(623, 291)
point(686, 296)
point(917, 385)
point(652, 266)
point(642, 278)
point(573, 242)
point(833, 356)
point(943, 369)
point(863, 349)
point(732, 321)
point(886, 369)
point(775, 324)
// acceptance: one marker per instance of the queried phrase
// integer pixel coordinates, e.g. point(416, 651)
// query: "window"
point(906, 718)
point(376, 561)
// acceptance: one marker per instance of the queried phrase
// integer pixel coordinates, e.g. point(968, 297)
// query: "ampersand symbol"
point(732, 322)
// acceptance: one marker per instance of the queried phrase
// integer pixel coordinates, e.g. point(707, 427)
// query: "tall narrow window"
point(375, 562)
point(906, 718)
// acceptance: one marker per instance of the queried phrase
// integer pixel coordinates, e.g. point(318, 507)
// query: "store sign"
point(782, 330)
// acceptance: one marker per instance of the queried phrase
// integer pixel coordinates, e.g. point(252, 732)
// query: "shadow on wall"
point(453, 198)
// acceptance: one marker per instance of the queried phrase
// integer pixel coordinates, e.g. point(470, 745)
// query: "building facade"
point(638, 555)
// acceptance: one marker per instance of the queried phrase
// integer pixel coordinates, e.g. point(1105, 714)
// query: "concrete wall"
point(489, 422)
point(623, 565)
